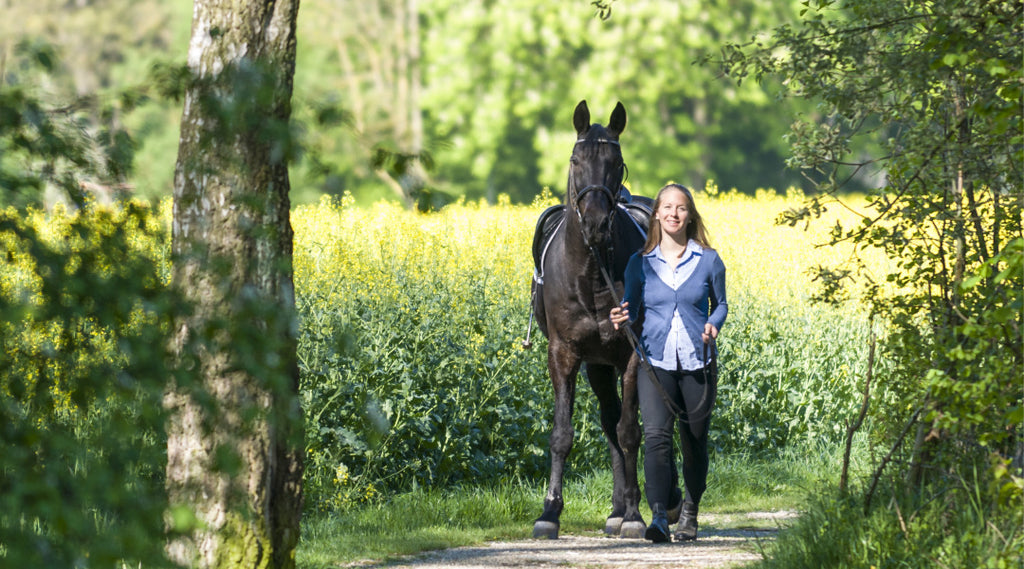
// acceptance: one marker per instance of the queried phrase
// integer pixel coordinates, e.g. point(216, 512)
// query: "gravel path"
point(715, 548)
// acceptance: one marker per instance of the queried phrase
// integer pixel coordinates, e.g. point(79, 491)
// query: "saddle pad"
point(640, 209)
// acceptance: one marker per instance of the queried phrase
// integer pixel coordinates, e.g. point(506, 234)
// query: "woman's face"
point(673, 213)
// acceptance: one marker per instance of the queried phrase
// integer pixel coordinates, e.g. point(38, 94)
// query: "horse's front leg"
point(563, 365)
point(629, 434)
point(604, 382)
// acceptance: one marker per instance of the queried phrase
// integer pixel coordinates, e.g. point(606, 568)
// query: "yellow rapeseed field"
point(348, 253)
point(423, 314)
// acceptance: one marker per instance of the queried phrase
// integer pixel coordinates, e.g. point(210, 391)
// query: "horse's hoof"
point(545, 530)
point(633, 530)
point(612, 526)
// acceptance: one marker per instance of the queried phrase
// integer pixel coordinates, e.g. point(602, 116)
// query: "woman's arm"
point(716, 295)
point(633, 295)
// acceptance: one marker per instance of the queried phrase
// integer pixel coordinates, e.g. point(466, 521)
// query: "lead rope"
point(646, 362)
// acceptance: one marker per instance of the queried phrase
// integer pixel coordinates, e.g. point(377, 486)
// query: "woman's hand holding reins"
point(620, 314)
point(710, 333)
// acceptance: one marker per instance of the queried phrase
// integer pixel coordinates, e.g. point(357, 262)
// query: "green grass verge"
point(950, 530)
point(428, 519)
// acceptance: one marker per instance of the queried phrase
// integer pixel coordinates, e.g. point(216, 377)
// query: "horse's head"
point(595, 173)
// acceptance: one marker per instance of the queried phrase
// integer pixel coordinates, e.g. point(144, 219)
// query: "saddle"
point(638, 209)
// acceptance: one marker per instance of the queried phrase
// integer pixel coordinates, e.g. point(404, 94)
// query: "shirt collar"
point(692, 249)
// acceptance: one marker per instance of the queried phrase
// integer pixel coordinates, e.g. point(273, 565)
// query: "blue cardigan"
point(700, 299)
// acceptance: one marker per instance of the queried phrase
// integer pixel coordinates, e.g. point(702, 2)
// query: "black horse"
point(592, 240)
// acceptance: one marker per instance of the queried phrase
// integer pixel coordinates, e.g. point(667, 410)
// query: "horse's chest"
point(588, 312)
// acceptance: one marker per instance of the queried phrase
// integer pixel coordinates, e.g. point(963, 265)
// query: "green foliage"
point(977, 401)
point(85, 327)
point(85, 333)
point(959, 530)
point(929, 93)
point(501, 80)
point(787, 380)
point(493, 83)
point(51, 152)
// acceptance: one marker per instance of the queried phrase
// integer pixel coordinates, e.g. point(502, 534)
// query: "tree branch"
point(851, 429)
point(888, 457)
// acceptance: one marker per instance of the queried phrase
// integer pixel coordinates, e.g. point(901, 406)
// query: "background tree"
point(529, 62)
point(234, 444)
point(497, 78)
point(938, 86)
point(101, 50)
point(490, 82)
point(376, 47)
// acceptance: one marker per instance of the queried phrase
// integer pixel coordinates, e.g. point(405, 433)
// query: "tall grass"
point(953, 531)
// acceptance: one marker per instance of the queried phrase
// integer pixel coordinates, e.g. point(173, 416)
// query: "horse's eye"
point(574, 160)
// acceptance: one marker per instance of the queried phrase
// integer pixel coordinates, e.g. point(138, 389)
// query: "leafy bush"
point(84, 322)
point(956, 528)
point(85, 327)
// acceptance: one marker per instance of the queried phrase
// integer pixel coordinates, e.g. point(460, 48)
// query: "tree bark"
point(234, 429)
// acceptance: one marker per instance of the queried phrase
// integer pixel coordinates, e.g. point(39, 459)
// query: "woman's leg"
point(698, 395)
point(658, 423)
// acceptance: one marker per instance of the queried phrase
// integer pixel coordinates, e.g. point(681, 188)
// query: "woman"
point(677, 283)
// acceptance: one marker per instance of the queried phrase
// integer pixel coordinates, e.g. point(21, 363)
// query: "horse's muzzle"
point(595, 206)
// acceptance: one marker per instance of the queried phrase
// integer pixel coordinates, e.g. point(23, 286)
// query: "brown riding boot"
point(687, 528)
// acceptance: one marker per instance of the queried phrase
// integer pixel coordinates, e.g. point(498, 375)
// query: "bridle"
point(600, 188)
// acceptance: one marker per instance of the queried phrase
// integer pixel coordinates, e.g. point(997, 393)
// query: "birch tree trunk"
point(234, 434)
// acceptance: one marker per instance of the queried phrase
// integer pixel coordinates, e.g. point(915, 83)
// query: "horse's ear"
point(581, 118)
point(618, 122)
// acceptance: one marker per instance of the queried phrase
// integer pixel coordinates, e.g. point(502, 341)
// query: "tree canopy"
point(475, 98)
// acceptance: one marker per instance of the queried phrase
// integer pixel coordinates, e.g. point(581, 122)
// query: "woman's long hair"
point(695, 223)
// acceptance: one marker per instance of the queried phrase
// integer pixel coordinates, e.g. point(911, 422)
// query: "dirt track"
point(715, 548)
